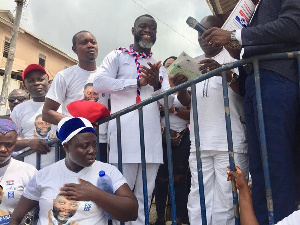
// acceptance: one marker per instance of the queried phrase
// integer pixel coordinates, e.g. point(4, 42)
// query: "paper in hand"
point(185, 65)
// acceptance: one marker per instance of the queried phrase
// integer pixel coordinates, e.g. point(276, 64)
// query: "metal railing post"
point(170, 161)
point(230, 147)
point(198, 154)
point(119, 144)
point(263, 142)
point(144, 171)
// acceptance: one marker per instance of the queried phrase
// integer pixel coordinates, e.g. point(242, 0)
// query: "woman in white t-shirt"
point(67, 191)
point(14, 175)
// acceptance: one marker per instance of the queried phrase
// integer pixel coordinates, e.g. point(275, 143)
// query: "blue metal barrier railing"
point(192, 83)
point(252, 60)
point(54, 141)
point(230, 147)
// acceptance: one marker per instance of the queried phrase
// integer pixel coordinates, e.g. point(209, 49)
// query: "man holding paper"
point(212, 131)
point(275, 27)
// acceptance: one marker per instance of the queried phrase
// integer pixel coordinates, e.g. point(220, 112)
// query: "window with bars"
point(6, 47)
point(42, 60)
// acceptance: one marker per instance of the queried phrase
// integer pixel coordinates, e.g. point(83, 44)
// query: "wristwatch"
point(234, 43)
point(176, 110)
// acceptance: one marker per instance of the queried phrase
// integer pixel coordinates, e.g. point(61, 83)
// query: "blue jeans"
point(280, 108)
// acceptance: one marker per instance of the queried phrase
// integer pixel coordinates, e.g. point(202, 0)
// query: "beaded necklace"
point(136, 55)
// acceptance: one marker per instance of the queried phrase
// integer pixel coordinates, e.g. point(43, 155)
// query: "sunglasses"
point(19, 98)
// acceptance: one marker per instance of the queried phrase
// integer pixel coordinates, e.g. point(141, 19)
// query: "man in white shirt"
point(213, 138)
point(274, 28)
point(68, 84)
point(131, 75)
point(35, 79)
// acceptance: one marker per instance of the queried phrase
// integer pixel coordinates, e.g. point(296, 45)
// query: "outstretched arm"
point(247, 215)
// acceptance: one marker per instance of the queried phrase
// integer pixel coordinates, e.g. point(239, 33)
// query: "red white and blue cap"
point(68, 127)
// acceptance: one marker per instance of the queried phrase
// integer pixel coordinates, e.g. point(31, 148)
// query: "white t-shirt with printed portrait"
point(68, 86)
point(44, 187)
point(14, 178)
point(24, 116)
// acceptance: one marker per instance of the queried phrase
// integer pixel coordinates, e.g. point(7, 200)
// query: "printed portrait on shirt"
point(63, 210)
point(42, 129)
point(4, 215)
point(1, 193)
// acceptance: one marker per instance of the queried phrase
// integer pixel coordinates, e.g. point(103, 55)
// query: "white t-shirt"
point(14, 178)
point(44, 188)
point(24, 116)
point(68, 86)
point(176, 123)
point(103, 99)
point(293, 219)
point(117, 77)
point(211, 114)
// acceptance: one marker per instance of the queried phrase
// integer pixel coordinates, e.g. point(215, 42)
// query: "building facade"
point(29, 49)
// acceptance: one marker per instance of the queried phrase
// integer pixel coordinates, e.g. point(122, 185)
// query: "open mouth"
point(146, 37)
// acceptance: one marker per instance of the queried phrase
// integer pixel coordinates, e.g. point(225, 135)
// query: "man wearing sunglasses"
point(16, 97)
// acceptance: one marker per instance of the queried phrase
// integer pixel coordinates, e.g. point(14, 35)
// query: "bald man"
point(16, 97)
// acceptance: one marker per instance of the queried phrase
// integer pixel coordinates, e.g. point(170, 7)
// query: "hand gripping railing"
point(54, 141)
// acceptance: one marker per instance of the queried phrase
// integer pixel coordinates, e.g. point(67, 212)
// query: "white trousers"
point(217, 190)
point(133, 174)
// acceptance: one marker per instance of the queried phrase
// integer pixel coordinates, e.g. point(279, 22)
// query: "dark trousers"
point(280, 108)
point(180, 156)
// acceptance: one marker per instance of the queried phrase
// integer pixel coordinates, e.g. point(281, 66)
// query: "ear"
point(74, 49)
point(66, 147)
point(132, 30)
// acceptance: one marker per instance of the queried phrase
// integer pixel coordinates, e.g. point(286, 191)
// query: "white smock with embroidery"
point(118, 77)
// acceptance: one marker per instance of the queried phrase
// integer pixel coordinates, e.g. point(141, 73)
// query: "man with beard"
point(131, 75)
point(63, 210)
point(42, 128)
point(35, 79)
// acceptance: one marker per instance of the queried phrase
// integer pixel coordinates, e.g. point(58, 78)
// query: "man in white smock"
point(131, 75)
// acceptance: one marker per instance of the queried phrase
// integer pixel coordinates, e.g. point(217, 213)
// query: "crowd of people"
point(66, 191)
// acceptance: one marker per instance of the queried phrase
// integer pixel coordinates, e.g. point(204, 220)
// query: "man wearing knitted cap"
point(131, 75)
point(35, 80)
